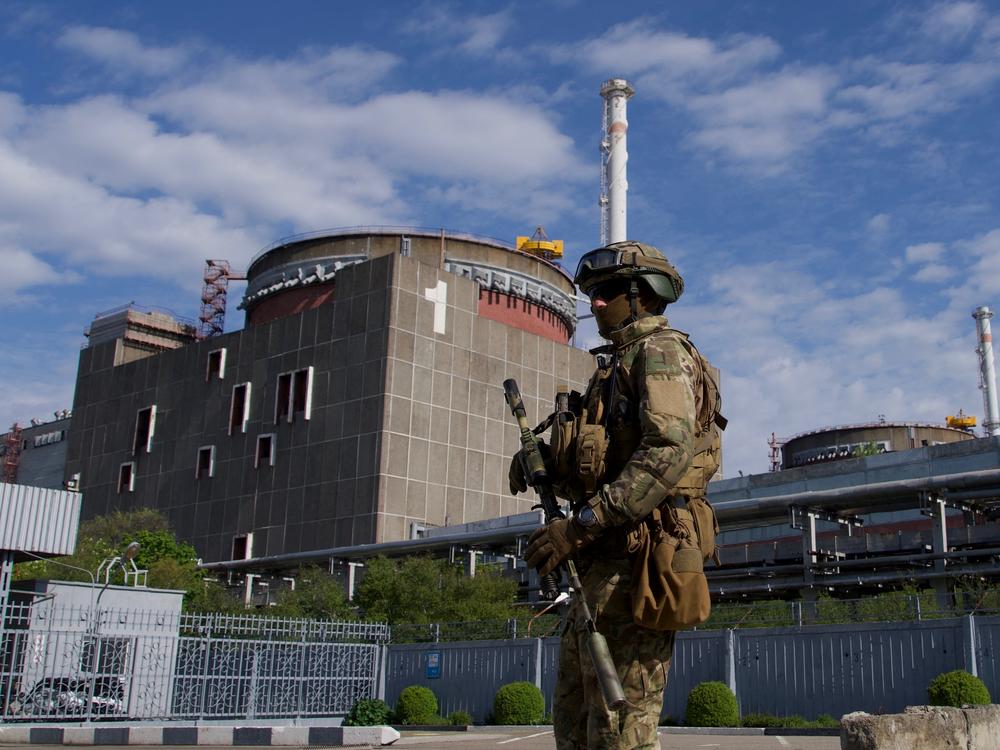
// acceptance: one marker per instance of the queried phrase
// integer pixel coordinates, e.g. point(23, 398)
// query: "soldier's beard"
point(612, 315)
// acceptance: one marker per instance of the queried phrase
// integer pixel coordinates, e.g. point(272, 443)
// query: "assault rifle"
point(538, 477)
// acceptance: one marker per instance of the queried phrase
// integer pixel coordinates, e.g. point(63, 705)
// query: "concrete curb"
point(275, 735)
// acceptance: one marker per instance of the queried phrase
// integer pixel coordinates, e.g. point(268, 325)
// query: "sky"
point(824, 175)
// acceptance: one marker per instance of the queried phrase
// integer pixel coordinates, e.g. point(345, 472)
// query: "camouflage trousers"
point(581, 718)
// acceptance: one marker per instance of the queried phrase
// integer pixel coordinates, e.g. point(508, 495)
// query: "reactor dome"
point(517, 288)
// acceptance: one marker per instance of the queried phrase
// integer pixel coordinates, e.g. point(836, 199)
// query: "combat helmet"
point(631, 261)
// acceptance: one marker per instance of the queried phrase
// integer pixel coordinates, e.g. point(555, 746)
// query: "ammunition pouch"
point(591, 450)
point(669, 588)
point(563, 441)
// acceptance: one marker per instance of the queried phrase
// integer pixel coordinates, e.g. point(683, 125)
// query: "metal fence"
point(809, 670)
point(72, 663)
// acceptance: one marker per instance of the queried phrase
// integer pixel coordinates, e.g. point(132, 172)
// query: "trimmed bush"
point(518, 703)
point(460, 718)
point(712, 704)
point(957, 688)
point(368, 712)
point(794, 721)
point(416, 705)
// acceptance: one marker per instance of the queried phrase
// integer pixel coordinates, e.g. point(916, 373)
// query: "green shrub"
point(416, 705)
point(957, 688)
point(712, 704)
point(518, 703)
point(762, 720)
point(794, 721)
point(460, 718)
point(368, 712)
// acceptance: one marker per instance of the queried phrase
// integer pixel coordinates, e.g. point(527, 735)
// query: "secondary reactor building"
point(361, 402)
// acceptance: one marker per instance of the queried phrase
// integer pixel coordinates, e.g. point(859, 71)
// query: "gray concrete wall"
point(408, 424)
point(449, 433)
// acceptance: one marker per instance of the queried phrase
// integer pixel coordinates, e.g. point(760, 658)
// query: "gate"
point(74, 663)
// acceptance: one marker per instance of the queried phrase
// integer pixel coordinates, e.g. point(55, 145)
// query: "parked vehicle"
point(68, 697)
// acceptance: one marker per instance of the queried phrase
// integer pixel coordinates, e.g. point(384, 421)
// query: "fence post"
point(382, 670)
point(729, 651)
point(969, 644)
point(537, 661)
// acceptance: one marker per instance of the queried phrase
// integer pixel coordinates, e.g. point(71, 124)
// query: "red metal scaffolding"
point(12, 453)
point(218, 274)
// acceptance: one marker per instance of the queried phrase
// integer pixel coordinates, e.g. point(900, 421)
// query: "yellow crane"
point(540, 244)
point(961, 421)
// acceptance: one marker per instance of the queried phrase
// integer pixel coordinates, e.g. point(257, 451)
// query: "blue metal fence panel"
point(836, 669)
point(698, 656)
point(988, 653)
point(550, 668)
point(470, 672)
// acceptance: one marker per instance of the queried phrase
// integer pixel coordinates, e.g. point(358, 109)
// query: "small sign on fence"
point(433, 665)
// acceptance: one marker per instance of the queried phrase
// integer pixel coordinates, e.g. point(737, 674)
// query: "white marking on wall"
point(439, 296)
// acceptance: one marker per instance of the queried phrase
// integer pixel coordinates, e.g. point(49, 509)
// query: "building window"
point(242, 547)
point(294, 395)
point(216, 364)
point(239, 408)
point(404, 246)
point(206, 462)
point(266, 448)
point(145, 426)
point(126, 477)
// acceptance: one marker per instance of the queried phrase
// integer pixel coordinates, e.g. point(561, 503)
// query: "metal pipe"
point(856, 500)
point(856, 563)
point(987, 374)
point(616, 92)
point(849, 580)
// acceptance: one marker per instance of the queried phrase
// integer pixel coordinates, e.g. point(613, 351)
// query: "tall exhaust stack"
point(616, 92)
point(987, 373)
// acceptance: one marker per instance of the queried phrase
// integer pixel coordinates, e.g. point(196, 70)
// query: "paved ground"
point(537, 739)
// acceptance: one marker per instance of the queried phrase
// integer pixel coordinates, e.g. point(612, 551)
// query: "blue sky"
point(824, 175)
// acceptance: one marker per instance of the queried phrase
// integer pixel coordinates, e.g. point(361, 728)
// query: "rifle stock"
point(538, 478)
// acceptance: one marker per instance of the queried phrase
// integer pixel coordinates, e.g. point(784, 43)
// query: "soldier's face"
point(609, 303)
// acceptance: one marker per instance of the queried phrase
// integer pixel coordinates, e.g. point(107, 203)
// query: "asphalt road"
point(535, 738)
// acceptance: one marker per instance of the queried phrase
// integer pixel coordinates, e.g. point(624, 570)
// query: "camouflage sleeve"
point(665, 379)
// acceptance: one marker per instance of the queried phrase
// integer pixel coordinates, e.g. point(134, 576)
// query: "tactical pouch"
point(669, 588)
point(706, 526)
point(591, 449)
point(563, 439)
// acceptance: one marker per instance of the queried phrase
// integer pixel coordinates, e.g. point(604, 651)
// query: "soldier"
point(644, 441)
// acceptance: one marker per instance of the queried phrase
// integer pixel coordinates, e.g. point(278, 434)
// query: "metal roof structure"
point(36, 520)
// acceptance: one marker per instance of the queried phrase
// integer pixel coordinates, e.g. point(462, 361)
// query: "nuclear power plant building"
point(361, 403)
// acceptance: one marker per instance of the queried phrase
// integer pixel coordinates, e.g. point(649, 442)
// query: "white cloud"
point(224, 155)
point(475, 35)
point(924, 253)
point(879, 224)
point(123, 51)
point(952, 20)
point(934, 272)
point(639, 48)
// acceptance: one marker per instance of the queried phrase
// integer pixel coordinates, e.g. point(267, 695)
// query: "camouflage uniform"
point(651, 425)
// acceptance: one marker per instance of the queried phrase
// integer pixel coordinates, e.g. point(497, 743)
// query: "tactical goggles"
point(608, 290)
point(599, 260)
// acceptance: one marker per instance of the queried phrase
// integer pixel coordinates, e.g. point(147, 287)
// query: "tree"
point(317, 595)
point(424, 590)
point(172, 564)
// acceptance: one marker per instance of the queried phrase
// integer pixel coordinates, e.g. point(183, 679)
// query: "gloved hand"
point(517, 477)
point(552, 544)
